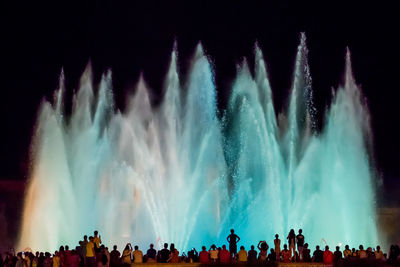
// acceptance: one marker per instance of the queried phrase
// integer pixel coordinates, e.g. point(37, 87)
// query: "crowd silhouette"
point(91, 252)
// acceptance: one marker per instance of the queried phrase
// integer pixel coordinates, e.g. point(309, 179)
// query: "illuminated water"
point(177, 173)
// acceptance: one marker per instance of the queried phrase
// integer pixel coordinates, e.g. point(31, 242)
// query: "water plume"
point(177, 173)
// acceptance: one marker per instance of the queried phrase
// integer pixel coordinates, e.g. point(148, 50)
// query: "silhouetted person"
point(337, 255)
point(115, 257)
point(204, 256)
point(263, 247)
point(277, 243)
point(97, 241)
point(242, 254)
point(126, 254)
point(318, 255)
point(292, 243)
point(300, 244)
point(379, 254)
point(252, 254)
point(224, 255)
point(306, 253)
point(272, 255)
point(151, 254)
point(213, 253)
point(346, 252)
point(328, 256)
point(286, 255)
point(165, 253)
point(233, 239)
point(361, 253)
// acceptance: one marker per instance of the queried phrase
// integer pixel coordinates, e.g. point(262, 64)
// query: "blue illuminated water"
point(177, 173)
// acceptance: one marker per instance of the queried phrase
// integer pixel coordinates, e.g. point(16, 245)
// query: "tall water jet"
point(176, 173)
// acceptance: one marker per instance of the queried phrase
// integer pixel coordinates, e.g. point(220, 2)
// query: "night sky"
point(39, 38)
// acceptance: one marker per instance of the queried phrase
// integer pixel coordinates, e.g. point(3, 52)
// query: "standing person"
point(300, 244)
point(90, 253)
point(233, 239)
point(277, 243)
point(292, 243)
point(213, 253)
point(126, 254)
point(97, 240)
point(204, 256)
point(263, 247)
point(252, 254)
point(137, 255)
point(151, 254)
point(83, 248)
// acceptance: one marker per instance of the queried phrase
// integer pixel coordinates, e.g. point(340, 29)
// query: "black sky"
point(39, 38)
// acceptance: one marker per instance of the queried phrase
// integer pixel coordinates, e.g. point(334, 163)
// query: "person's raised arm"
point(259, 246)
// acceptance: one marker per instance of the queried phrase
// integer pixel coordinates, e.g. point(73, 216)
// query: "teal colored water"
point(178, 173)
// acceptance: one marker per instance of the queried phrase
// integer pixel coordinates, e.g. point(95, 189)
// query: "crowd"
point(92, 253)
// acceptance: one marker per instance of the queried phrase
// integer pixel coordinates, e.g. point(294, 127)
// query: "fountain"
point(177, 173)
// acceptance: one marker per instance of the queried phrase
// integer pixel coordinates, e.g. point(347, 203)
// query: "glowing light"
point(176, 173)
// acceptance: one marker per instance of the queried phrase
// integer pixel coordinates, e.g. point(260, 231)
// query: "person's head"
point(85, 237)
point(284, 246)
point(115, 247)
point(316, 247)
point(61, 249)
point(91, 238)
point(241, 247)
point(172, 247)
point(136, 247)
point(252, 247)
point(127, 247)
point(66, 247)
point(361, 247)
point(232, 231)
point(96, 233)
point(378, 248)
point(203, 248)
point(213, 246)
point(151, 245)
point(19, 255)
point(353, 250)
point(276, 236)
point(264, 245)
point(346, 247)
point(165, 245)
point(300, 231)
point(272, 250)
point(291, 232)
point(223, 247)
point(337, 248)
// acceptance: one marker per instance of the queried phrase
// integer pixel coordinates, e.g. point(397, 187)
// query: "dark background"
point(39, 38)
